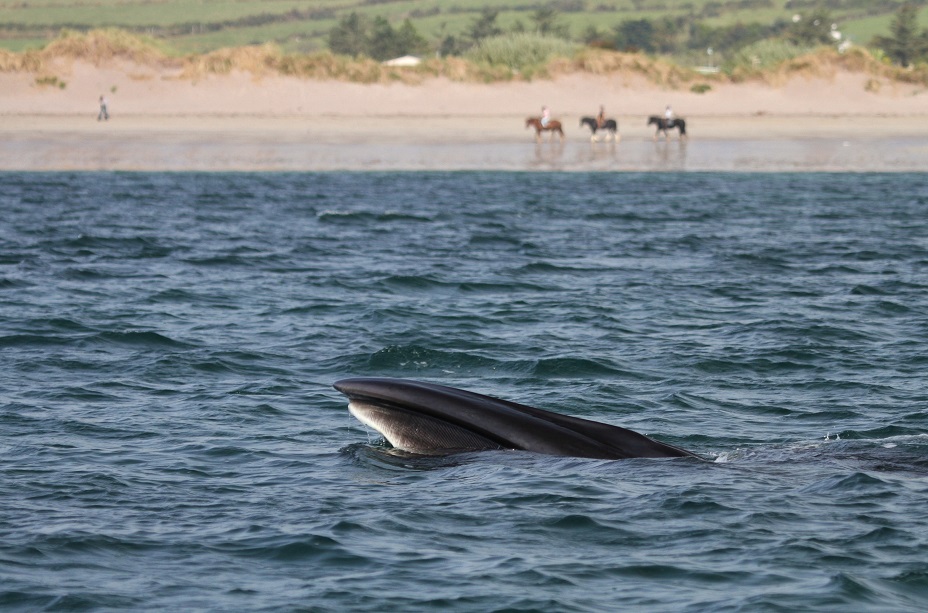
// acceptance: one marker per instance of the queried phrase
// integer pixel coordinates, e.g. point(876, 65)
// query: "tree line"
point(376, 38)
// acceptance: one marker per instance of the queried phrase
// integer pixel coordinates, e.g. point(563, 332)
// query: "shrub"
point(50, 81)
point(523, 52)
point(763, 55)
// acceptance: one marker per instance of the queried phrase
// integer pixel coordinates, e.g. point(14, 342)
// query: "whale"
point(435, 420)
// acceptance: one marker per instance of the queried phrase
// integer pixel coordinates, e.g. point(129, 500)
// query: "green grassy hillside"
point(198, 26)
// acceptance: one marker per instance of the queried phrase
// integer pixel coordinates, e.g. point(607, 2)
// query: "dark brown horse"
point(664, 124)
point(553, 126)
point(609, 128)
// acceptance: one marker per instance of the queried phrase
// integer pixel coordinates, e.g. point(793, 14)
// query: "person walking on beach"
point(103, 114)
point(545, 116)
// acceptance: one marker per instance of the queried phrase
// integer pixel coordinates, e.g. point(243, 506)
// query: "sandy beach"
point(160, 121)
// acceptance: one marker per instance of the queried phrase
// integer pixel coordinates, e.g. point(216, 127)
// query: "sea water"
point(169, 437)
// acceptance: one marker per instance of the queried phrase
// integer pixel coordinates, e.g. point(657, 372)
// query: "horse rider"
point(601, 117)
point(545, 116)
point(668, 116)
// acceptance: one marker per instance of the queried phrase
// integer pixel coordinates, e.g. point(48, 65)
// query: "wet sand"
point(323, 144)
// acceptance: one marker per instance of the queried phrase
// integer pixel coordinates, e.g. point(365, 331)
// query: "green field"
point(197, 26)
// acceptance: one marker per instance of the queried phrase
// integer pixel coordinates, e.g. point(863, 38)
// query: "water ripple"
point(169, 437)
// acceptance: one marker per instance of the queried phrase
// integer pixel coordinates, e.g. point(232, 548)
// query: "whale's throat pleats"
point(418, 433)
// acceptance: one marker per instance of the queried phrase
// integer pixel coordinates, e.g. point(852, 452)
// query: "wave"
point(576, 367)
point(875, 452)
point(422, 359)
point(350, 216)
point(142, 339)
point(7, 283)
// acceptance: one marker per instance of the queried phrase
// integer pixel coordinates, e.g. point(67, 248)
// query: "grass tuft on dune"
point(509, 58)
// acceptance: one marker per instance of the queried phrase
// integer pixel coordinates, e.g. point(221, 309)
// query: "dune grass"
point(508, 58)
point(97, 46)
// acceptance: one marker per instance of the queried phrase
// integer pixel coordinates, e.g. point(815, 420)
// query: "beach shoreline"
point(239, 122)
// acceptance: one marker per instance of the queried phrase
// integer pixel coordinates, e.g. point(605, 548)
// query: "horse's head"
point(531, 121)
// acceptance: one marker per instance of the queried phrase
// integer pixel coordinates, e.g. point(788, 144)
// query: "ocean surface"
point(170, 440)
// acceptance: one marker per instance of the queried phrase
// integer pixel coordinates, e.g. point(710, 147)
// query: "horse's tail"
point(682, 125)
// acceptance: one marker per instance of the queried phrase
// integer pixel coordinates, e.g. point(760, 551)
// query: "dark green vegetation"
point(690, 32)
point(905, 43)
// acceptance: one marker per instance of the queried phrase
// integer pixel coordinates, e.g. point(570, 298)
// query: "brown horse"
point(553, 126)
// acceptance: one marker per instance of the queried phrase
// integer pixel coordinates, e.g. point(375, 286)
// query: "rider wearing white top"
point(545, 116)
point(668, 115)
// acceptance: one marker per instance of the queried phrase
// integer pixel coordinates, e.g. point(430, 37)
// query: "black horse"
point(664, 124)
point(609, 126)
